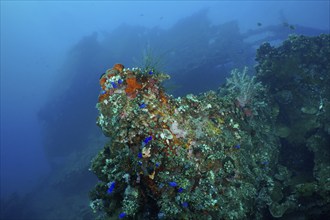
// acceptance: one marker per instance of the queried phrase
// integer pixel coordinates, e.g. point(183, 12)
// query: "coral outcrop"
point(256, 149)
point(181, 157)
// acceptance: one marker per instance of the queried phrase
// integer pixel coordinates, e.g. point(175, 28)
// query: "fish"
point(122, 215)
point(143, 105)
point(173, 184)
point(111, 187)
point(185, 204)
point(237, 146)
point(114, 85)
point(146, 140)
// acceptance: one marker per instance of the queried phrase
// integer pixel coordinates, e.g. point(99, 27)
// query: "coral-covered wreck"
point(208, 156)
point(179, 157)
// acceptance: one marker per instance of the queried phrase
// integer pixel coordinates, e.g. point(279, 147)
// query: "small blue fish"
point(122, 215)
point(139, 155)
point(114, 85)
point(173, 184)
point(157, 164)
point(111, 187)
point(151, 72)
point(103, 92)
point(185, 204)
point(180, 190)
point(120, 81)
point(143, 105)
point(237, 146)
point(146, 140)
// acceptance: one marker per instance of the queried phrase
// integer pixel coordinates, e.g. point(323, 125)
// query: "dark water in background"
point(53, 53)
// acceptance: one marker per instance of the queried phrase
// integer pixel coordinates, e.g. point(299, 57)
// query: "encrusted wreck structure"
point(180, 157)
point(217, 155)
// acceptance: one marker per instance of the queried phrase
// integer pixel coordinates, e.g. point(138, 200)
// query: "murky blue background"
point(37, 40)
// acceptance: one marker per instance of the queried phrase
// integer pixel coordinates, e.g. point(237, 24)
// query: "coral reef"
point(297, 76)
point(186, 157)
point(256, 149)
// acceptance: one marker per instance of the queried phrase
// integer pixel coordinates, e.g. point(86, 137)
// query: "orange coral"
point(162, 96)
point(118, 67)
point(102, 81)
point(103, 97)
point(132, 86)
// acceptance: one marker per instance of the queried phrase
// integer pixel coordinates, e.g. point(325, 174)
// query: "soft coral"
point(132, 87)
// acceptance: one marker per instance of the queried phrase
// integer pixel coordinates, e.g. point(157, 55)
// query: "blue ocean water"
point(53, 53)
